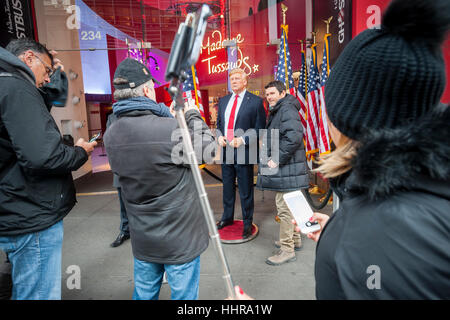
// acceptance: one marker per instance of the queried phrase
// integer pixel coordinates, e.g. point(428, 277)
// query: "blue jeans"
point(36, 263)
point(183, 279)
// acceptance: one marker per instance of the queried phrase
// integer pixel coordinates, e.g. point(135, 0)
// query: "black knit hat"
point(131, 73)
point(392, 75)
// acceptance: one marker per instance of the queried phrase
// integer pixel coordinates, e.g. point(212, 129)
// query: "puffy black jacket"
point(36, 185)
point(390, 238)
point(292, 172)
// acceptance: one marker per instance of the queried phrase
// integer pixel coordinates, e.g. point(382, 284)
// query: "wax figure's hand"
point(222, 141)
point(56, 62)
point(87, 146)
point(272, 164)
point(190, 105)
point(321, 218)
point(236, 142)
point(240, 294)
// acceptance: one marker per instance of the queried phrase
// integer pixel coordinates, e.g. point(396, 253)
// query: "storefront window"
point(96, 35)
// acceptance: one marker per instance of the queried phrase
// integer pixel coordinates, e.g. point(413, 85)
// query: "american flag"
point(284, 68)
point(324, 141)
point(313, 104)
point(301, 96)
point(191, 90)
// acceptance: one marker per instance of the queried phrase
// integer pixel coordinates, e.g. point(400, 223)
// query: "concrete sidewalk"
point(107, 273)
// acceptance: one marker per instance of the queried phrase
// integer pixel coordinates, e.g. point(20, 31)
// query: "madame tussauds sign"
point(214, 55)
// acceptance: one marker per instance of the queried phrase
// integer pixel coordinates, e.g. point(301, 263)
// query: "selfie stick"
point(176, 72)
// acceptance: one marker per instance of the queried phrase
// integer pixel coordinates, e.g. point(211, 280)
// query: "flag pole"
point(284, 8)
point(328, 21)
point(327, 35)
point(334, 199)
point(302, 51)
point(195, 87)
point(313, 46)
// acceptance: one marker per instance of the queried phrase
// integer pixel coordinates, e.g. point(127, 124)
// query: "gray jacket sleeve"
point(203, 140)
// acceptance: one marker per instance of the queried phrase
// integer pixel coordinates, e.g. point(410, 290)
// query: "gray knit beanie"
point(392, 75)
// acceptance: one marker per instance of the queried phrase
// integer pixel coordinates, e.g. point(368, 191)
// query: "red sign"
point(253, 54)
point(215, 62)
point(367, 14)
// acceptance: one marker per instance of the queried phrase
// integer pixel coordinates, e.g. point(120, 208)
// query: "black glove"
point(55, 92)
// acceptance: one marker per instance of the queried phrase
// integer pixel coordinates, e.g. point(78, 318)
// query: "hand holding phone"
point(322, 219)
point(302, 212)
point(95, 137)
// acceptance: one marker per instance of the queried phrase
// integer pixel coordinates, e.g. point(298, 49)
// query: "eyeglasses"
point(48, 69)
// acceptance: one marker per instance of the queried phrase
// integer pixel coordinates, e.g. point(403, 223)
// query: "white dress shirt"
point(230, 106)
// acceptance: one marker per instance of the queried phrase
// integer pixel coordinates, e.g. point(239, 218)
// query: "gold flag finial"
point(328, 21)
point(314, 34)
point(284, 8)
point(301, 44)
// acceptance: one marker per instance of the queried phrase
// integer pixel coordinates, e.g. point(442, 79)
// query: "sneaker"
point(281, 257)
point(297, 247)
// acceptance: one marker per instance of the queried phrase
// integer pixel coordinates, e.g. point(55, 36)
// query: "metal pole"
point(206, 207)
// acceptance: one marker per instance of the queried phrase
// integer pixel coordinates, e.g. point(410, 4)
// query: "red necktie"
point(230, 129)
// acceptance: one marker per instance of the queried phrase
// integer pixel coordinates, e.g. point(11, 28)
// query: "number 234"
point(91, 35)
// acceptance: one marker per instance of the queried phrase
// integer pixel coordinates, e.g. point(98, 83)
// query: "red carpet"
point(233, 233)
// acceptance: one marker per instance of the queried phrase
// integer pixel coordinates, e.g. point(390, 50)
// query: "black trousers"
point(244, 174)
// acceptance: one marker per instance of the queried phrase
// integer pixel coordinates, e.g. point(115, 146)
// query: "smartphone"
point(95, 137)
point(301, 211)
point(187, 43)
point(198, 32)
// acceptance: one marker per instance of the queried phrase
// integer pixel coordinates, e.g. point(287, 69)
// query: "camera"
point(187, 44)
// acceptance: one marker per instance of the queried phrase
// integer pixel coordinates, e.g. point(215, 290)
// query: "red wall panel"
point(367, 12)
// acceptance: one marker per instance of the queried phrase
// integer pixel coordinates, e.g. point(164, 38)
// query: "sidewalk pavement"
point(107, 273)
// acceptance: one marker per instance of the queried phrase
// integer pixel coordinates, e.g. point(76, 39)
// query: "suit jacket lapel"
point(222, 110)
point(242, 109)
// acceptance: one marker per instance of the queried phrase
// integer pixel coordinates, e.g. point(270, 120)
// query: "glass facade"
point(94, 36)
point(97, 34)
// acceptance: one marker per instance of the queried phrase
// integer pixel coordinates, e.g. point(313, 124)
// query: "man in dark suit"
point(241, 115)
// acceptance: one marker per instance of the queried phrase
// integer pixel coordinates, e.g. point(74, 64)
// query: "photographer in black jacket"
point(36, 185)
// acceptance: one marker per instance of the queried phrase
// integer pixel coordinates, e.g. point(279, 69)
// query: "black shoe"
point(120, 239)
point(247, 233)
point(223, 224)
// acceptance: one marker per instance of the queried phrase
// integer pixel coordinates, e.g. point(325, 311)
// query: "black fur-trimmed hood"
point(404, 158)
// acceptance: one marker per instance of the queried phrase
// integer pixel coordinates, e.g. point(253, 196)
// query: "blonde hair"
point(340, 160)
point(239, 70)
